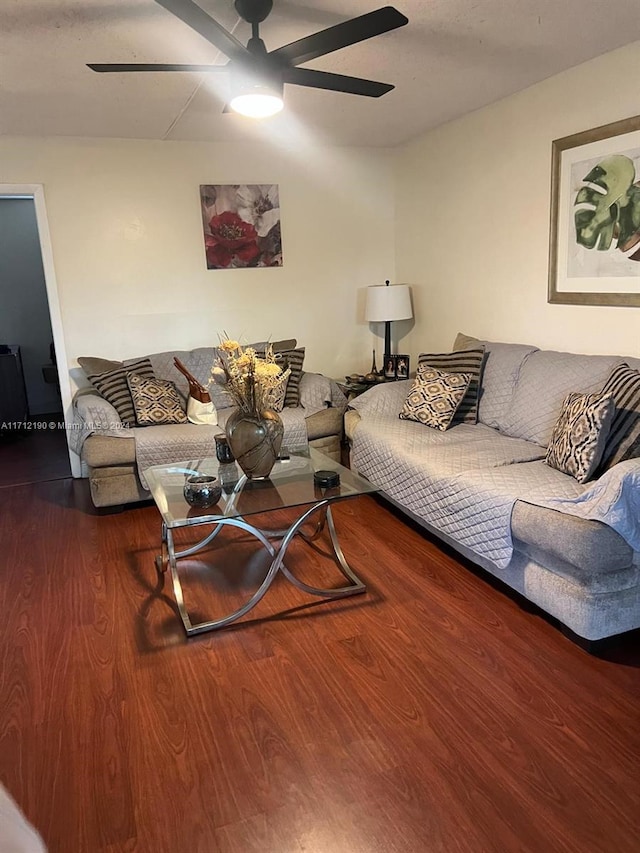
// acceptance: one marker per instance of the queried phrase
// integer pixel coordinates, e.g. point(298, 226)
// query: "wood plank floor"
point(34, 455)
point(432, 714)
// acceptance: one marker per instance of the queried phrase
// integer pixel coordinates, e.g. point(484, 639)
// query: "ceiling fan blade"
point(141, 66)
point(196, 18)
point(342, 35)
point(335, 82)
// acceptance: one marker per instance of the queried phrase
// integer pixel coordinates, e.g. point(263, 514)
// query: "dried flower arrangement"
point(254, 382)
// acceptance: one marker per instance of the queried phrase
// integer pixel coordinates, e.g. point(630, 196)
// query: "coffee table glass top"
point(290, 484)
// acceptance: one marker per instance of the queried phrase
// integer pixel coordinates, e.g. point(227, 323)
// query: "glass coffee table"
point(291, 485)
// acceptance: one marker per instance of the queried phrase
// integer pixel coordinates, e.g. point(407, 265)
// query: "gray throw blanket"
point(614, 499)
point(464, 482)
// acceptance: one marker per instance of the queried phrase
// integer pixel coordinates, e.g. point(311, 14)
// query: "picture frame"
point(594, 244)
point(402, 366)
point(396, 366)
point(389, 367)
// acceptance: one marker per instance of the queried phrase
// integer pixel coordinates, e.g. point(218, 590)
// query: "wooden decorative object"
point(196, 389)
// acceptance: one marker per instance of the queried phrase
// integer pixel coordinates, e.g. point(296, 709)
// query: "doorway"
point(33, 441)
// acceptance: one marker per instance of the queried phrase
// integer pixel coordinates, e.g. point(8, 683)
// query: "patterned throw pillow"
point(464, 361)
point(580, 434)
point(278, 393)
point(293, 359)
point(435, 397)
point(156, 401)
point(112, 385)
point(624, 436)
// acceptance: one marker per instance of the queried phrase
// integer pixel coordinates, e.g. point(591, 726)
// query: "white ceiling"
point(453, 57)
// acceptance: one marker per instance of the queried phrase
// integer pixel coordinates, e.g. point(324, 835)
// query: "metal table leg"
point(169, 557)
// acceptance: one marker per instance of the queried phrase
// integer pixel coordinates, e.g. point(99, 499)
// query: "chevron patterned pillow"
point(469, 361)
point(156, 401)
point(435, 397)
point(580, 434)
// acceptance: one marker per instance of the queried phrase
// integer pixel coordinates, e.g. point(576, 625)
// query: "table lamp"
point(386, 303)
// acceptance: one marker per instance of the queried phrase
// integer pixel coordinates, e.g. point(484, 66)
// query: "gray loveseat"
point(486, 490)
point(114, 457)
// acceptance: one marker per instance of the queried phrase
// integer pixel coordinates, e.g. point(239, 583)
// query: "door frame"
point(36, 192)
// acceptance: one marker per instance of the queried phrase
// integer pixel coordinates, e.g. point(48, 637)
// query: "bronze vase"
point(255, 441)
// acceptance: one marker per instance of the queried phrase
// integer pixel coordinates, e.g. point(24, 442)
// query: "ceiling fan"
point(258, 75)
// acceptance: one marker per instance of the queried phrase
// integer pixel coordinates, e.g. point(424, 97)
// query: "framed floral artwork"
point(241, 224)
point(594, 256)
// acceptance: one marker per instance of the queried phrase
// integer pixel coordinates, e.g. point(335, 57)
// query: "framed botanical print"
point(241, 224)
point(594, 255)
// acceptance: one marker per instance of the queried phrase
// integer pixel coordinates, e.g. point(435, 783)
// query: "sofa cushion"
point(464, 361)
point(545, 379)
point(198, 362)
point(277, 346)
point(92, 365)
point(155, 401)
point(114, 387)
point(435, 397)
point(318, 391)
point(624, 436)
point(579, 436)
point(499, 376)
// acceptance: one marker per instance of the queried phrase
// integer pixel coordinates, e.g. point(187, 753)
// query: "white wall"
point(472, 222)
point(129, 253)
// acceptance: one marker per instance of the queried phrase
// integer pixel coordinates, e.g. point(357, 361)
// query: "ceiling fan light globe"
point(256, 105)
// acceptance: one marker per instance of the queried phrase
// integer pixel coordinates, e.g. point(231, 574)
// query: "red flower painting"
point(241, 225)
point(230, 237)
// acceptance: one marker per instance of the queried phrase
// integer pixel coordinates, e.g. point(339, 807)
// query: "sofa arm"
point(97, 414)
point(92, 413)
point(351, 420)
point(387, 398)
point(318, 392)
point(613, 499)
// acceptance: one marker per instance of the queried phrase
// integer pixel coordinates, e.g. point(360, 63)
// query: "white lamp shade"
point(388, 302)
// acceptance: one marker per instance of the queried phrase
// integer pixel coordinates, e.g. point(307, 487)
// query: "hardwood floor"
point(34, 455)
point(432, 714)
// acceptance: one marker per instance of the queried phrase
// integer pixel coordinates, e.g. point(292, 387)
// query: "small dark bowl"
point(202, 490)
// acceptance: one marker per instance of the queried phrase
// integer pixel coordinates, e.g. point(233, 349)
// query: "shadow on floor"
point(35, 454)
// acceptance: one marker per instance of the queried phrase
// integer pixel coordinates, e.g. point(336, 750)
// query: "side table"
point(353, 389)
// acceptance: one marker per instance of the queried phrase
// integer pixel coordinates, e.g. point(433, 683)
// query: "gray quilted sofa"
point(485, 489)
point(114, 458)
